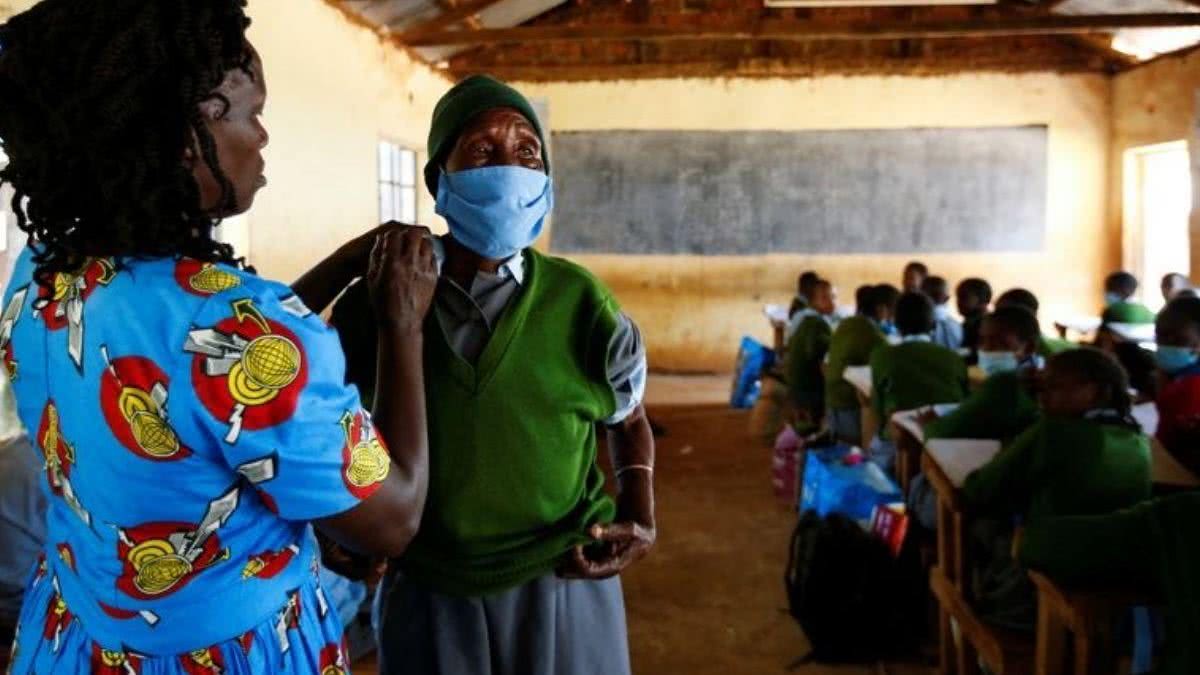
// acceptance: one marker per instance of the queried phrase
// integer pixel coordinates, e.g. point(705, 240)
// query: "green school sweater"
point(1049, 346)
point(850, 345)
point(805, 354)
point(513, 481)
point(1128, 312)
point(915, 374)
point(1063, 467)
point(1001, 409)
point(1151, 547)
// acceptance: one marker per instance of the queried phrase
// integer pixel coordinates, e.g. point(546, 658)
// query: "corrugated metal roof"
point(1144, 43)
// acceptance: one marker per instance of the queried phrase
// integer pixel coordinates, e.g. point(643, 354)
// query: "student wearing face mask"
point(1178, 356)
point(1005, 405)
point(912, 374)
point(514, 568)
point(1085, 456)
point(1119, 306)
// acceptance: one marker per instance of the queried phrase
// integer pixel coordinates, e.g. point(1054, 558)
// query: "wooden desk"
point(1081, 325)
point(1140, 333)
point(909, 434)
point(860, 378)
point(1166, 471)
point(1088, 617)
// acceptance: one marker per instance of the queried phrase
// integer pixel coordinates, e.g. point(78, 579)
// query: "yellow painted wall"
point(693, 309)
point(1156, 104)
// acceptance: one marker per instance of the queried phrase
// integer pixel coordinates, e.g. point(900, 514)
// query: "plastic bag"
point(838, 481)
point(753, 358)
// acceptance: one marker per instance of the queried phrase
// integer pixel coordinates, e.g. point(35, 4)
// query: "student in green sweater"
point(514, 568)
point(1119, 307)
point(1020, 297)
point(806, 351)
point(1005, 405)
point(912, 374)
point(1085, 456)
point(851, 345)
point(973, 297)
point(1150, 547)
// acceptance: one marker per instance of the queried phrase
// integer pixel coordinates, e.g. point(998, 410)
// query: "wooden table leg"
point(946, 657)
point(1050, 657)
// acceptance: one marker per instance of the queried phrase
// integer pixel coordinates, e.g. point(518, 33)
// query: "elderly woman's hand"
point(618, 545)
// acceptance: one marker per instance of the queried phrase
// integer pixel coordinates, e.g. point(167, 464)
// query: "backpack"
point(855, 602)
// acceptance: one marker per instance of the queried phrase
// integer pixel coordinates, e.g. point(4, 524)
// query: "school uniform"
point(805, 355)
point(1000, 409)
point(520, 369)
point(947, 332)
point(1058, 467)
point(851, 344)
point(1147, 547)
point(1179, 416)
point(970, 335)
point(1049, 346)
point(1128, 312)
point(910, 375)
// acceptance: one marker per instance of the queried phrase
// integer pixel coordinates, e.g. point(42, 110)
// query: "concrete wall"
point(1156, 103)
point(694, 309)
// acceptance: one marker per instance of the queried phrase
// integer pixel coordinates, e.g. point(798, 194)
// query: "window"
point(397, 183)
point(1158, 206)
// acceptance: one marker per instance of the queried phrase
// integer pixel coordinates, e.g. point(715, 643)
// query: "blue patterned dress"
point(192, 420)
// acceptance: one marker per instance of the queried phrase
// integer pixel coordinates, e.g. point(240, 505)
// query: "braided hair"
point(1097, 367)
point(101, 100)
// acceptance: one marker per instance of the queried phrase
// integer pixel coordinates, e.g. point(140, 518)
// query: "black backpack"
point(855, 602)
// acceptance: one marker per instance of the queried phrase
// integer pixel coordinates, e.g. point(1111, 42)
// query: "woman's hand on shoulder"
point(402, 277)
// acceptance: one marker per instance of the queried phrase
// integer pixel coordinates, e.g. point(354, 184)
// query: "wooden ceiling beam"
point(788, 30)
point(463, 12)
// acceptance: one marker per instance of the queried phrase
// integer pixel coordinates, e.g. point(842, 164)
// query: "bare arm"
point(319, 286)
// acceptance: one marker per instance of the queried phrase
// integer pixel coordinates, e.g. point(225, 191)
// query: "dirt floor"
point(709, 600)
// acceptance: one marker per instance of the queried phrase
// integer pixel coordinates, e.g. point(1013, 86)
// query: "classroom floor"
point(709, 599)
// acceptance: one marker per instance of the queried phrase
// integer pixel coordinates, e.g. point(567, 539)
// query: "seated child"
point(806, 353)
point(948, 332)
point(1141, 547)
point(914, 277)
point(1173, 284)
point(802, 304)
point(1085, 456)
point(1020, 297)
point(912, 374)
point(973, 297)
point(1119, 288)
point(1178, 355)
point(1005, 405)
point(851, 345)
point(889, 295)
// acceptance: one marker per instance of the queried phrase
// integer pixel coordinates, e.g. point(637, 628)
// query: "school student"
point(1178, 355)
point(806, 353)
point(1173, 284)
point(804, 288)
point(948, 331)
point(889, 295)
point(912, 374)
point(1151, 547)
point(1119, 307)
point(1020, 297)
point(515, 566)
point(973, 297)
point(1005, 405)
point(851, 344)
point(1085, 456)
point(915, 274)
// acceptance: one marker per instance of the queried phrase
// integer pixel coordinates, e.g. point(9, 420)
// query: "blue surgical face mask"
point(1111, 299)
point(1175, 359)
point(992, 363)
point(496, 211)
point(888, 327)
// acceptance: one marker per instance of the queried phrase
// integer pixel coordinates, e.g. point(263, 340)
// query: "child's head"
point(864, 300)
point(824, 297)
point(1119, 287)
point(914, 314)
point(806, 283)
point(1177, 332)
point(937, 289)
point(973, 296)
point(1019, 297)
point(888, 296)
point(1008, 337)
point(914, 275)
point(1172, 284)
point(1082, 380)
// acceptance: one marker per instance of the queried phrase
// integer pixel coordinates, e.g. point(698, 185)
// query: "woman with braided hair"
point(192, 418)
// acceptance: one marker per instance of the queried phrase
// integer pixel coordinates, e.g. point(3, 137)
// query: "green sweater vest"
point(1128, 312)
point(1001, 409)
point(851, 345)
point(805, 353)
point(513, 482)
point(1063, 467)
point(914, 374)
point(1150, 547)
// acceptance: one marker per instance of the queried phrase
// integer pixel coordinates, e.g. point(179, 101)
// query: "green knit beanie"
point(474, 95)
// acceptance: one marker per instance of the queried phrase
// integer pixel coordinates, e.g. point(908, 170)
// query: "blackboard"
point(755, 192)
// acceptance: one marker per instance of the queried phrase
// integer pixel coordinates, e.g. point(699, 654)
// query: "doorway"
point(1158, 207)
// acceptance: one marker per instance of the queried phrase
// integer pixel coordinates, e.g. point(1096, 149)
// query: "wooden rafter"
point(788, 30)
point(463, 12)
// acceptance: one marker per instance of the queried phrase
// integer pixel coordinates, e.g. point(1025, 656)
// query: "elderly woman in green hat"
point(514, 569)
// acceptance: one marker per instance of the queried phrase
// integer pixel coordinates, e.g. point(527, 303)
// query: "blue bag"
point(832, 486)
point(753, 358)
